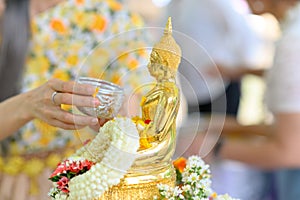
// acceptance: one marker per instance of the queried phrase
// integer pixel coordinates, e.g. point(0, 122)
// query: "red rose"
point(65, 190)
point(62, 184)
point(74, 168)
point(59, 170)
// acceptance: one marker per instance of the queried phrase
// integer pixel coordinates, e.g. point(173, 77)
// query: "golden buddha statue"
point(160, 105)
point(153, 164)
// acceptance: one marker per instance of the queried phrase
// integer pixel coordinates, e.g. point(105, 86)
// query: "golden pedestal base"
point(143, 187)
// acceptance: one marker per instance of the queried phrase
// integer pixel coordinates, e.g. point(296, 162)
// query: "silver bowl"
point(110, 95)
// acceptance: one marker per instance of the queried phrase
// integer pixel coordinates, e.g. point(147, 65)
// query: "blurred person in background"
point(224, 36)
point(226, 39)
point(276, 146)
point(59, 36)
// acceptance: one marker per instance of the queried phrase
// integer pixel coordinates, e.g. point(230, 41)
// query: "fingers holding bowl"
point(94, 97)
point(71, 87)
point(74, 99)
point(74, 119)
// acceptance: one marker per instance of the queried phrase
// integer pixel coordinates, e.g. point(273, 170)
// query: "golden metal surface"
point(143, 190)
point(159, 106)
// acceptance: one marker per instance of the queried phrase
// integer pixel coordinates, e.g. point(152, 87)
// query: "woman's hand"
point(42, 104)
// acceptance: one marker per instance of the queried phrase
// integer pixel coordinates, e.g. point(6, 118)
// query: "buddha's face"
point(155, 66)
point(159, 66)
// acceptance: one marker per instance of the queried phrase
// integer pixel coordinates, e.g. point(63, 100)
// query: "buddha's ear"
point(156, 56)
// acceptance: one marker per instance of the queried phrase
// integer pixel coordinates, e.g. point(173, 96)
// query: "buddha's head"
point(165, 56)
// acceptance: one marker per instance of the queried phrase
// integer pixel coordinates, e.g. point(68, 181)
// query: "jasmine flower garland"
point(113, 151)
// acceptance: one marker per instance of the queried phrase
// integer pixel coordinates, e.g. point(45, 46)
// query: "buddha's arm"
point(165, 115)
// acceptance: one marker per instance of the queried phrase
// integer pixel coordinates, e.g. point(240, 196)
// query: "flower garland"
point(192, 182)
point(65, 171)
point(85, 174)
point(104, 161)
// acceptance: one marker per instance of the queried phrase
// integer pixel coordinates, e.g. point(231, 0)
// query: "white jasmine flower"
point(186, 188)
point(177, 191)
point(193, 178)
point(113, 150)
point(196, 198)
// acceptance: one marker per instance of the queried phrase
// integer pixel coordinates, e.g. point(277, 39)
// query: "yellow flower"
point(214, 195)
point(133, 64)
point(44, 141)
point(135, 119)
point(76, 46)
point(38, 83)
point(33, 167)
point(115, 28)
point(136, 20)
point(142, 52)
point(68, 153)
point(116, 78)
point(14, 149)
point(141, 122)
point(52, 160)
point(144, 144)
point(55, 45)
point(58, 25)
point(38, 65)
point(79, 19)
point(80, 2)
point(114, 5)
point(27, 134)
point(1, 163)
point(44, 128)
point(34, 28)
point(99, 23)
point(61, 74)
point(72, 60)
point(14, 165)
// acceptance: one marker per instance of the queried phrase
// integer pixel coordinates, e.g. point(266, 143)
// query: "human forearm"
point(240, 130)
point(232, 127)
point(265, 154)
point(13, 115)
point(256, 72)
point(278, 149)
point(40, 104)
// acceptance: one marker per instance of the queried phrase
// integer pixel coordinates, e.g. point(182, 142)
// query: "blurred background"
point(251, 109)
point(239, 180)
point(225, 50)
